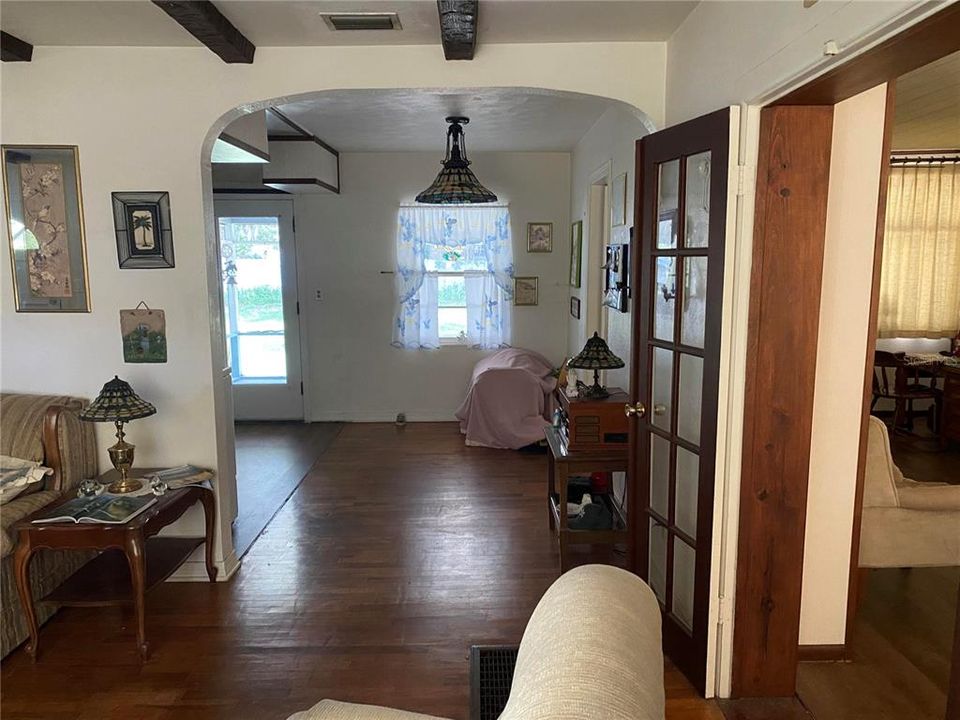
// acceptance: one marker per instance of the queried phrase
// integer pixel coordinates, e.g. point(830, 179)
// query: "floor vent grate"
point(491, 675)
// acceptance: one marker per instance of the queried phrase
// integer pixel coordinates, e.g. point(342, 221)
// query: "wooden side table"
point(114, 578)
point(562, 464)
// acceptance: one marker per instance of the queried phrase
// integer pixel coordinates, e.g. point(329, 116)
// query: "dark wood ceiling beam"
point(13, 49)
point(201, 19)
point(458, 28)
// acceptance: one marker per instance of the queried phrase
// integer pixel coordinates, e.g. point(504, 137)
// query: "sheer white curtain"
point(474, 240)
point(920, 271)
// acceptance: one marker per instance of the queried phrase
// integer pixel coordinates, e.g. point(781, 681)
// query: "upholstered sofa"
point(591, 651)
point(905, 523)
point(43, 428)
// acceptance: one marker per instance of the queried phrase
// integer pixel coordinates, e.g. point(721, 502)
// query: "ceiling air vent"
point(361, 20)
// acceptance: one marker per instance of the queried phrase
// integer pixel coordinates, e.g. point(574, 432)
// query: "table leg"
point(210, 515)
point(551, 472)
point(136, 558)
point(562, 483)
point(21, 564)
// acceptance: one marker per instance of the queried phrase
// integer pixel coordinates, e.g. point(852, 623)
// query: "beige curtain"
point(920, 274)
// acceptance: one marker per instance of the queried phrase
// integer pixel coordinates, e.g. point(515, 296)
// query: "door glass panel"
point(688, 483)
point(668, 203)
point(261, 356)
point(684, 580)
point(689, 398)
point(658, 560)
point(664, 298)
point(697, 201)
point(659, 475)
point(253, 298)
point(662, 386)
point(694, 303)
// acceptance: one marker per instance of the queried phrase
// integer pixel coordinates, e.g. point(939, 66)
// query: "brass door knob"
point(639, 410)
point(659, 409)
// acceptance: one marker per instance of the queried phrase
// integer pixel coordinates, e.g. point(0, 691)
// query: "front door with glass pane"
point(258, 273)
point(676, 355)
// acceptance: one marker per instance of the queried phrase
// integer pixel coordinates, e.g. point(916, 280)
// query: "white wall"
point(726, 53)
point(81, 96)
point(855, 163)
point(612, 139)
point(344, 241)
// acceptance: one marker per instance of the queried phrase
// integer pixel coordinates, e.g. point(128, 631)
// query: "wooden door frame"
point(753, 675)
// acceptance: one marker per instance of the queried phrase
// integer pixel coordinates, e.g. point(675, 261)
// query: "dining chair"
point(894, 379)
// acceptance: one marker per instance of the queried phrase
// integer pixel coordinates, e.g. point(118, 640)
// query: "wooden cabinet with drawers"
point(594, 424)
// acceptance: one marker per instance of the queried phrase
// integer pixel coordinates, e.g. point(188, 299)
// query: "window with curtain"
point(454, 276)
point(920, 271)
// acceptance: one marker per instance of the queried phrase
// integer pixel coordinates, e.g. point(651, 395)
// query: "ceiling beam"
point(458, 28)
point(201, 19)
point(13, 49)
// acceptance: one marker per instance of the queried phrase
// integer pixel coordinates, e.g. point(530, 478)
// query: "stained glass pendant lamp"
point(456, 184)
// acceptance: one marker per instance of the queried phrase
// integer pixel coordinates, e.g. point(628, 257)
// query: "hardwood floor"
point(902, 644)
point(399, 550)
point(272, 459)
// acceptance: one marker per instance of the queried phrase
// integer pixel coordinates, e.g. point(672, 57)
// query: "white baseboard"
point(195, 569)
point(381, 416)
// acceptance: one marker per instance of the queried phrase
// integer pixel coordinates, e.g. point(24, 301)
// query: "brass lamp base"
point(121, 455)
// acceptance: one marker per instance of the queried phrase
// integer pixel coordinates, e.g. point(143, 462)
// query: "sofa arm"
point(592, 650)
point(69, 447)
point(333, 710)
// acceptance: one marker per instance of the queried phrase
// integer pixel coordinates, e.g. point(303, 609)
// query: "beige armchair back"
point(905, 523)
point(591, 651)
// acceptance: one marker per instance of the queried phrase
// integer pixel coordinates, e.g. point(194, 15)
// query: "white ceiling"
point(502, 119)
point(293, 23)
point(927, 107)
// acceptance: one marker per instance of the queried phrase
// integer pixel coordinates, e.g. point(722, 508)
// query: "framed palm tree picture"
point(142, 224)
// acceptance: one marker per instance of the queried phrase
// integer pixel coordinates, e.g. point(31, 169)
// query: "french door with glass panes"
point(258, 269)
point(682, 215)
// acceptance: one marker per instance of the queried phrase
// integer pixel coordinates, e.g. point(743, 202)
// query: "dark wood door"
point(681, 215)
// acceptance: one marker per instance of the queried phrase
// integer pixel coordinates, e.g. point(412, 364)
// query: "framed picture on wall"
point(48, 250)
point(575, 307)
point(618, 203)
point(525, 290)
point(539, 237)
point(141, 221)
point(576, 251)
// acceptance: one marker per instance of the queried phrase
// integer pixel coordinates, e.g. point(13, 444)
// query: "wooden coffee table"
point(114, 578)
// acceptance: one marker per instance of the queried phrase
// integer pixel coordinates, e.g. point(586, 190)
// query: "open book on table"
point(108, 509)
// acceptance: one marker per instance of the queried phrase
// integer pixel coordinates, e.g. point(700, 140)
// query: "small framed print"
point(539, 237)
point(44, 209)
point(575, 307)
point(142, 223)
point(618, 203)
point(525, 291)
point(576, 251)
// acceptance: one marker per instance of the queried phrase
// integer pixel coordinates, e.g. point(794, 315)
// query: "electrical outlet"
point(319, 296)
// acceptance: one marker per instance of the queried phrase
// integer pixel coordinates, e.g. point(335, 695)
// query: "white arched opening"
point(633, 123)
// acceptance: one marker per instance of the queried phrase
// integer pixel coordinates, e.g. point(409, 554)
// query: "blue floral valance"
point(474, 240)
